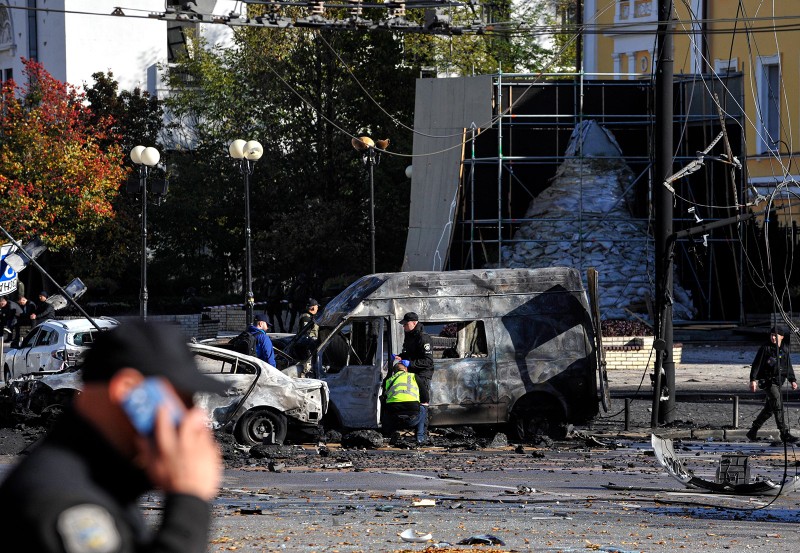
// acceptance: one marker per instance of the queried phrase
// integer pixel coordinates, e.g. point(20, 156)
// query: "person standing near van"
point(418, 352)
point(771, 368)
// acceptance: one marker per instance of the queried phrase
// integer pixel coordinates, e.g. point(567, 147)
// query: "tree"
point(56, 179)
point(108, 256)
point(510, 43)
point(300, 93)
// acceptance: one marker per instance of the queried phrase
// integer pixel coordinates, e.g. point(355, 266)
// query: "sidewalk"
point(708, 380)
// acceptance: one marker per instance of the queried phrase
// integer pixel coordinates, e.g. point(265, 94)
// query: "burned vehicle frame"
point(260, 405)
point(514, 346)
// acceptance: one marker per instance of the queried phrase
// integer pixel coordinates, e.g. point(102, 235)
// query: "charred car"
point(260, 405)
point(519, 346)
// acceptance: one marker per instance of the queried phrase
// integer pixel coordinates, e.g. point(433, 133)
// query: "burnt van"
point(515, 346)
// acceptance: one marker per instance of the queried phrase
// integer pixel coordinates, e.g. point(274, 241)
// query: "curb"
point(703, 434)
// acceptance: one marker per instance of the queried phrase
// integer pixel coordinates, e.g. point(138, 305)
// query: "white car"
point(52, 346)
point(260, 404)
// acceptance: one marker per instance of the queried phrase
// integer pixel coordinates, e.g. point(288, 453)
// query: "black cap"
point(153, 350)
point(779, 329)
point(311, 303)
point(261, 318)
point(43, 293)
point(410, 316)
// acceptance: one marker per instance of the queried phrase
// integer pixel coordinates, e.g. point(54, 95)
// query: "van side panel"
point(543, 347)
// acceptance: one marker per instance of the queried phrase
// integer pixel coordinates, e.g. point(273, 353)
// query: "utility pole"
point(664, 377)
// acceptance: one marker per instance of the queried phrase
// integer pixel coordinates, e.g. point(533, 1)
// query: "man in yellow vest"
point(402, 408)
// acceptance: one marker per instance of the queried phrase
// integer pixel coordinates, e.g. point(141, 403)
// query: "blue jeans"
point(419, 422)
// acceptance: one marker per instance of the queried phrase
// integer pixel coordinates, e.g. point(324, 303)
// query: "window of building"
point(6, 31)
point(726, 66)
point(768, 82)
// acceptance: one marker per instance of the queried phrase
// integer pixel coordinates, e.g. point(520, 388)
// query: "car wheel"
point(261, 426)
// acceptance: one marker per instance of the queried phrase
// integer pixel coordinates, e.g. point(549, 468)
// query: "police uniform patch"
point(427, 347)
point(88, 529)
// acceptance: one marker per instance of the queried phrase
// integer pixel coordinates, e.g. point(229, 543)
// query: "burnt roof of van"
point(467, 283)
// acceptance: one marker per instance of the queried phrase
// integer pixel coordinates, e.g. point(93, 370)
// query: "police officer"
point(10, 314)
point(77, 490)
point(312, 307)
point(402, 402)
point(44, 311)
point(771, 367)
point(417, 350)
point(28, 308)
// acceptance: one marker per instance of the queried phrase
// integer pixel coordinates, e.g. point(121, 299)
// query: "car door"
point(16, 358)
point(353, 362)
point(39, 355)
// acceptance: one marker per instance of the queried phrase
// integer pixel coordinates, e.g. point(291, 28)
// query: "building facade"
point(715, 38)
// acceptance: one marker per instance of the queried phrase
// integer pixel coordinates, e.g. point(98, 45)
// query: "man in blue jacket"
point(264, 349)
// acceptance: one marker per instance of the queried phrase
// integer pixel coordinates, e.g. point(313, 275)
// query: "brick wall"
point(633, 352)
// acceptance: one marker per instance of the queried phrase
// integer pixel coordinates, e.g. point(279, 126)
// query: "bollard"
point(736, 411)
point(627, 413)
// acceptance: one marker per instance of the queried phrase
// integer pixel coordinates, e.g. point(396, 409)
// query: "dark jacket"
point(417, 349)
point(264, 349)
point(9, 315)
point(76, 486)
point(44, 312)
point(27, 310)
point(772, 364)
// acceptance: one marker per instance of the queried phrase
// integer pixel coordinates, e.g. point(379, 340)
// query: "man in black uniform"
point(417, 350)
point(312, 307)
point(77, 490)
point(771, 368)
point(10, 314)
point(44, 311)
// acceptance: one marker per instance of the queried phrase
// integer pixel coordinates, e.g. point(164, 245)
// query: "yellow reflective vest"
point(401, 387)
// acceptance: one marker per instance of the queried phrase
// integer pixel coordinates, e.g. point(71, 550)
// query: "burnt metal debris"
point(733, 475)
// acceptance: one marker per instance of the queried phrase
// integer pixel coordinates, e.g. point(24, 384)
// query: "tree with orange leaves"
point(56, 180)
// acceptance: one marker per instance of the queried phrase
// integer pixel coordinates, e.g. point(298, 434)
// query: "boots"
point(787, 437)
point(752, 434)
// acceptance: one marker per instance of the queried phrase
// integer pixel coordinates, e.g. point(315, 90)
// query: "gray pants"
point(772, 406)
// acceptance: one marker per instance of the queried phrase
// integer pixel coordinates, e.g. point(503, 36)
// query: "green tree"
point(301, 93)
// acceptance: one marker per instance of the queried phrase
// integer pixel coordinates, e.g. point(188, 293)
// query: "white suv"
point(52, 346)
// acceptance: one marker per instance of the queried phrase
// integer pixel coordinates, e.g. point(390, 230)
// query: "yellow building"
point(714, 37)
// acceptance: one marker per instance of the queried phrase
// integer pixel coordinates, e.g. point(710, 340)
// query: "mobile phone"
point(142, 403)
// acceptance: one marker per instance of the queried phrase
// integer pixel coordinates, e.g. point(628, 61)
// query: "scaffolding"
point(507, 165)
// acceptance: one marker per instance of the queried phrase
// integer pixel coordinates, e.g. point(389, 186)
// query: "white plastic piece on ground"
point(411, 536)
point(424, 503)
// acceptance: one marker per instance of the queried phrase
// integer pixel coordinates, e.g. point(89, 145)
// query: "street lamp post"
point(370, 151)
point(145, 159)
point(245, 154)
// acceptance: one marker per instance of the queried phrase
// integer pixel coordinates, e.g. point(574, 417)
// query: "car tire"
point(261, 426)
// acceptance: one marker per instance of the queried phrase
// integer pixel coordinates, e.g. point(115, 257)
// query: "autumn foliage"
point(56, 180)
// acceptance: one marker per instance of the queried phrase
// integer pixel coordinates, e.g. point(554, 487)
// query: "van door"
point(353, 361)
point(464, 385)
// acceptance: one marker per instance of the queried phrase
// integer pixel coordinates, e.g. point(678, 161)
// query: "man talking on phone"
point(78, 489)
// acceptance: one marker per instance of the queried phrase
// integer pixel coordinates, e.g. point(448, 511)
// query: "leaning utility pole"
point(664, 377)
